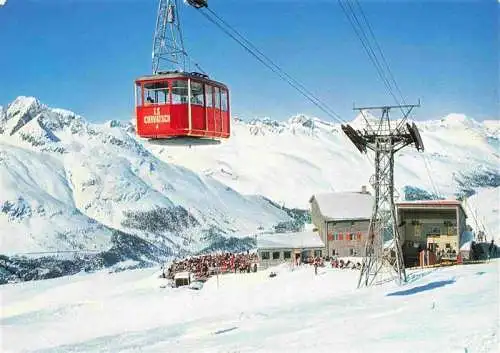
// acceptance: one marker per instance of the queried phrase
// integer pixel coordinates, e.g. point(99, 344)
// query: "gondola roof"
point(178, 74)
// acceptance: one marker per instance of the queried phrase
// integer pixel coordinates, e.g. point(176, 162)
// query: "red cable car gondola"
point(178, 103)
point(175, 104)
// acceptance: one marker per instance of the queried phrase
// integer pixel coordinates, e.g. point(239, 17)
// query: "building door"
point(432, 247)
point(297, 257)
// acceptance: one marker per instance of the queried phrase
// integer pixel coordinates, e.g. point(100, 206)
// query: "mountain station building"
point(342, 220)
point(436, 225)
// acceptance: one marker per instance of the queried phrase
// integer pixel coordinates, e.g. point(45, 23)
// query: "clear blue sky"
point(84, 55)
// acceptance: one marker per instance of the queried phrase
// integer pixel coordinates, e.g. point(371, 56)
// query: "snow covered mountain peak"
point(68, 184)
point(23, 104)
point(364, 119)
point(263, 126)
point(29, 123)
point(458, 120)
point(19, 113)
point(302, 119)
point(62, 175)
point(299, 124)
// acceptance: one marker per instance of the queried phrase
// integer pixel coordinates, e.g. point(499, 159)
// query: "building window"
point(317, 253)
point(287, 254)
point(265, 255)
point(450, 227)
point(334, 252)
point(432, 229)
point(417, 230)
point(276, 255)
point(352, 252)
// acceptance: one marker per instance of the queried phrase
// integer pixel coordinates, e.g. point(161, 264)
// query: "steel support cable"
point(360, 33)
point(384, 61)
point(247, 45)
point(366, 45)
point(336, 117)
point(389, 71)
point(379, 69)
point(275, 68)
point(195, 64)
point(250, 44)
point(427, 167)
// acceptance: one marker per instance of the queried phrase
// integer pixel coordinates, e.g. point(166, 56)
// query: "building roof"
point(300, 240)
point(185, 274)
point(340, 206)
point(430, 204)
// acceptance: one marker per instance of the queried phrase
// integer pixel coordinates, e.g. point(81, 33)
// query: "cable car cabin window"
point(197, 95)
point(217, 97)
point(156, 93)
point(223, 99)
point(208, 96)
point(180, 92)
point(138, 95)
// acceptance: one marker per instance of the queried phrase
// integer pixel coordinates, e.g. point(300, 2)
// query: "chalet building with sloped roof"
point(342, 220)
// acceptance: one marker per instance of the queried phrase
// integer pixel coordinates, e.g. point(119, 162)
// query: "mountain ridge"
point(104, 174)
point(68, 184)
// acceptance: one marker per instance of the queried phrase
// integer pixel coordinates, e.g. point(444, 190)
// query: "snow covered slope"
point(67, 184)
point(292, 160)
point(484, 212)
point(451, 309)
point(289, 161)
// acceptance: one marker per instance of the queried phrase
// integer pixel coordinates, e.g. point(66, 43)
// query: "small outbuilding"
point(277, 248)
point(438, 226)
point(182, 279)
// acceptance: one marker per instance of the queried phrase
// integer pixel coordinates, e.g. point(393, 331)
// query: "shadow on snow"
point(428, 286)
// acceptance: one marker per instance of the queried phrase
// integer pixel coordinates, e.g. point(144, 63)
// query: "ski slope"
point(452, 309)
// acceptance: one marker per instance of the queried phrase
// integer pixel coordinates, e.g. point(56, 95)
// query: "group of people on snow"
point(206, 265)
point(334, 262)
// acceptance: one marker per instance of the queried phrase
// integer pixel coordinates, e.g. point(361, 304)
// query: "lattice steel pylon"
point(383, 252)
point(168, 46)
